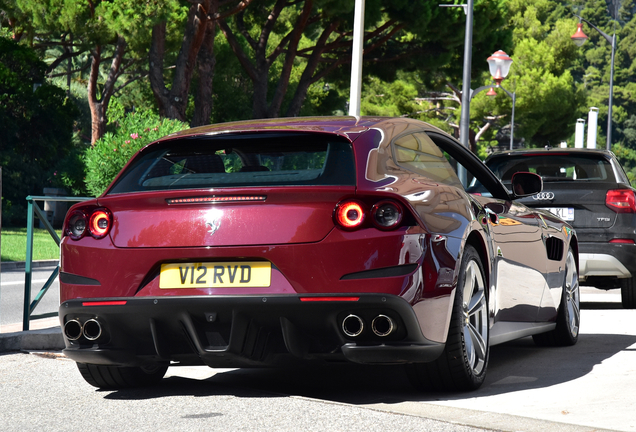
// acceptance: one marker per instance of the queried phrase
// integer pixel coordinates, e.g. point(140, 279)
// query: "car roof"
point(347, 126)
point(557, 151)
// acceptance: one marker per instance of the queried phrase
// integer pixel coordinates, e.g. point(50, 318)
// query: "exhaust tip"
point(352, 325)
point(92, 329)
point(73, 329)
point(383, 325)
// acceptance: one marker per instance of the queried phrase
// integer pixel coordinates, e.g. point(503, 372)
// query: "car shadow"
point(601, 305)
point(514, 366)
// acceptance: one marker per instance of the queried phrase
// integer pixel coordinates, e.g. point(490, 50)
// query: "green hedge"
point(109, 155)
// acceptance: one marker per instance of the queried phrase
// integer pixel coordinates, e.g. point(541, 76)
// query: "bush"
point(109, 155)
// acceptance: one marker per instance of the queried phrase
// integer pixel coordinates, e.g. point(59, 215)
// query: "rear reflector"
point(216, 199)
point(105, 303)
point(329, 299)
point(623, 241)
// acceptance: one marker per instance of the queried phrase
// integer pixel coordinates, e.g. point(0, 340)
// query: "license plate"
point(565, 213)
point(215, 275)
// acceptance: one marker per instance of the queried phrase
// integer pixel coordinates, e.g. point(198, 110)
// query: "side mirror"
point(525, 184)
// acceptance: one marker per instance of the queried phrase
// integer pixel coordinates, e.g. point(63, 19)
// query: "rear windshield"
point(264, 159)
point(565, 167)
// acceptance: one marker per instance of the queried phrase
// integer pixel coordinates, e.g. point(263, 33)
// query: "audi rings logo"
point(543, 196)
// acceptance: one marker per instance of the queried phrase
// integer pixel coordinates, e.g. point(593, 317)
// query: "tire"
point(118, 377)
point(628, 293)
point(568, 321)
point(463, 363)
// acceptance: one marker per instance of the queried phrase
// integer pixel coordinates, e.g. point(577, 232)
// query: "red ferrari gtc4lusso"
point(265, 242)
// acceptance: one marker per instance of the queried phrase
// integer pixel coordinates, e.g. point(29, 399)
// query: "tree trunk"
point(155, 68)
point(307, 78)
point(98, 124)
point(99, 106)
point(206, 61)
point(259, 70)
point(173, 103)
point(290, 56)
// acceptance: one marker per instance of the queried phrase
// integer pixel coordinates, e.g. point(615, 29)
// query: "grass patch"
point(13, 244)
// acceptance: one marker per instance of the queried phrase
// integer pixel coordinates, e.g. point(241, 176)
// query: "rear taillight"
point(621, 200)
point(350, 214)
point(96, 222)
point(353, 214)
point(76, 225)
point(100, 223)
point(622, 241)
point(386, 215)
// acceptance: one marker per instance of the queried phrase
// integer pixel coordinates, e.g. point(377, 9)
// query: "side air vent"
point(554, 248)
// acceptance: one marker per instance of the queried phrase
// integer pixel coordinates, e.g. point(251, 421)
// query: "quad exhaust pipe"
point(352, 325)
point(92, 329)
point(382, 325)
point(74, 329)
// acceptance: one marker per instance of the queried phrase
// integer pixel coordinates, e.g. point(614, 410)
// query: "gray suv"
point(590, 190)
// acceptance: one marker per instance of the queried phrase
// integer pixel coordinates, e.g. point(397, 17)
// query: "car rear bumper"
point(241, 331)
point(607, 260)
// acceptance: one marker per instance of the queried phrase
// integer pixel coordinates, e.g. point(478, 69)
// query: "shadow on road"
point(514, 366)
point(601, 305)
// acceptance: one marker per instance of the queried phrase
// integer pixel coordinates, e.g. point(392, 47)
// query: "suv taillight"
point(621, 200)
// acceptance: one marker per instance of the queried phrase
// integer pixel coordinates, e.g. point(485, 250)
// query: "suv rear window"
point(554, 167)
point(236, 160)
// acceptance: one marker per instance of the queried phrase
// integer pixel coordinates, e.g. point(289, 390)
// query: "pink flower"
point(127, 141)
point(134, 135)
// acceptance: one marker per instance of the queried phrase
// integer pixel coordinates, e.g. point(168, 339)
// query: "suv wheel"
point(628, 293)
point(568, 321)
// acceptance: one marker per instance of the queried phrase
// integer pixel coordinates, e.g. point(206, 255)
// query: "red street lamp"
point(579, 39)
point(499, 64)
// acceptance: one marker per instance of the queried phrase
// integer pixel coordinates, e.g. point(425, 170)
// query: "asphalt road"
point(586, 387)
point(12, 294)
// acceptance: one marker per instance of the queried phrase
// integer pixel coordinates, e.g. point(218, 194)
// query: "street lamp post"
point(468, 54)
point(464, 121)
point(355, 89)
point(579, 39)
point(499, 64)
point(513, 96)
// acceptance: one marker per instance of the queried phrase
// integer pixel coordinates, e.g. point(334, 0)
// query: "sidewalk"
point(21, 265)
point(43, 334)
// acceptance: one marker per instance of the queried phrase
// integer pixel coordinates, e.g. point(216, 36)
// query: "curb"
point(45, 339)
point(42, 339)
point(21, 265)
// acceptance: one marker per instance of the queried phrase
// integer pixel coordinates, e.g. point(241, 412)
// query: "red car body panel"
point(282, 220)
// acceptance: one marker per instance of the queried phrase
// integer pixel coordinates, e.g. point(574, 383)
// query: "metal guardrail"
point(33, 209)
